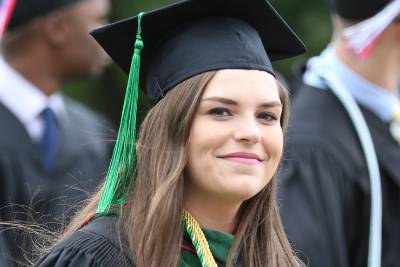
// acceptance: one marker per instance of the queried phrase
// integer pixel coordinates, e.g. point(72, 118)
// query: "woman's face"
point(236, 138)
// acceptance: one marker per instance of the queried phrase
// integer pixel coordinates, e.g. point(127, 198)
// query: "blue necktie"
point(48, 144)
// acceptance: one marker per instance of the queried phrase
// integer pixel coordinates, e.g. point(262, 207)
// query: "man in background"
point(53, 150)
point(325, 188)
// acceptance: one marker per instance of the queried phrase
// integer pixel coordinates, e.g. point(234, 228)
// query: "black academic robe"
point(324, 184)
point(101, 244)
point(98, 244)
point(27, 194)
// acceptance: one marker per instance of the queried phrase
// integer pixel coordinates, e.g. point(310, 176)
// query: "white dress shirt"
point(26, 101)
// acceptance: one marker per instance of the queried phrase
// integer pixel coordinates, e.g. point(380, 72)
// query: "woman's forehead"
point(242, 84)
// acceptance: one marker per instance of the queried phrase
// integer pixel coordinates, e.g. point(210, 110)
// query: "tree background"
point(308, 18)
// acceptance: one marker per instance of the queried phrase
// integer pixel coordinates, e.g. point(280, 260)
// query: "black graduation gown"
point(324, 185)
point(98, 244)
point(28, 194)
point(101, 244)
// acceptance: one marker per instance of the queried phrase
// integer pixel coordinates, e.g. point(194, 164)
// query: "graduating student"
point(340, 184)
point(199, 186)
point(53, 151)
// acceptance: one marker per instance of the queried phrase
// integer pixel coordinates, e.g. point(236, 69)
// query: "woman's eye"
point(220, 112)
point(267, 116)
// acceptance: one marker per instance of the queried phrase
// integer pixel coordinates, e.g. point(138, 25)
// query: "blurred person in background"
point(325, 187)
point(53, 150)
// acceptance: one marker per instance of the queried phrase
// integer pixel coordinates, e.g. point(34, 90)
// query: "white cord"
point(360, 125)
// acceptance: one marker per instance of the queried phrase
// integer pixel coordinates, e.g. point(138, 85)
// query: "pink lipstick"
point(243, 157)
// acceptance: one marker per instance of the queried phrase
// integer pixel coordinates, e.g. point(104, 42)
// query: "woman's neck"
point(213, 213)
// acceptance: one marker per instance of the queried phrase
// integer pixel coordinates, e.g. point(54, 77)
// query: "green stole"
point(219, 243)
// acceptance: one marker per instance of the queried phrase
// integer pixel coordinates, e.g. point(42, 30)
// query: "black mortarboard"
point(26, 10)
point(180, 41)
point(191, 37)
point(358, 10)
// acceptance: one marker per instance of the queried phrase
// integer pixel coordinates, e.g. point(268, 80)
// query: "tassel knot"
point(138, 46)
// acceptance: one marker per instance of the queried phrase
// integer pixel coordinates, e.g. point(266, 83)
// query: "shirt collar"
point(373, 97)
point(23, 98)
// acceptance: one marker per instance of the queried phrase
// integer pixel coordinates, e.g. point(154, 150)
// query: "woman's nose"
point(247, 130)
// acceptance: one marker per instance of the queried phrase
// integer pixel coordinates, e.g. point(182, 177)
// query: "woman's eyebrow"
point(232, 102)
point(271, 104)
point(223, 100)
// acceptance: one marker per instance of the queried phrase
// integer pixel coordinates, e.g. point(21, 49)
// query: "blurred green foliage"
point(308, 18)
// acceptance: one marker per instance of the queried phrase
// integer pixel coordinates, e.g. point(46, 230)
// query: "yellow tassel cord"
point(199, 240)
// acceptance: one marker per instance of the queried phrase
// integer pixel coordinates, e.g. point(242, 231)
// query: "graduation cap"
point(26, 10)
point(358, 9)
point(180, 41)
point(183, 40)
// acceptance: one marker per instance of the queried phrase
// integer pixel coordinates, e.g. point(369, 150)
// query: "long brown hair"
point(153, 222)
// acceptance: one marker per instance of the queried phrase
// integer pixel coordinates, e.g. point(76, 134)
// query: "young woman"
point(200, 187)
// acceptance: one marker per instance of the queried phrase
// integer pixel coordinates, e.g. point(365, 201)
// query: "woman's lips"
point(243, 157)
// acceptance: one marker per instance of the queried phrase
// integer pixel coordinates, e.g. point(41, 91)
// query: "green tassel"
point(123, 161)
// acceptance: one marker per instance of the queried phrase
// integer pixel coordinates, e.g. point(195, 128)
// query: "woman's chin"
point(246, 185)
point(243, 192)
